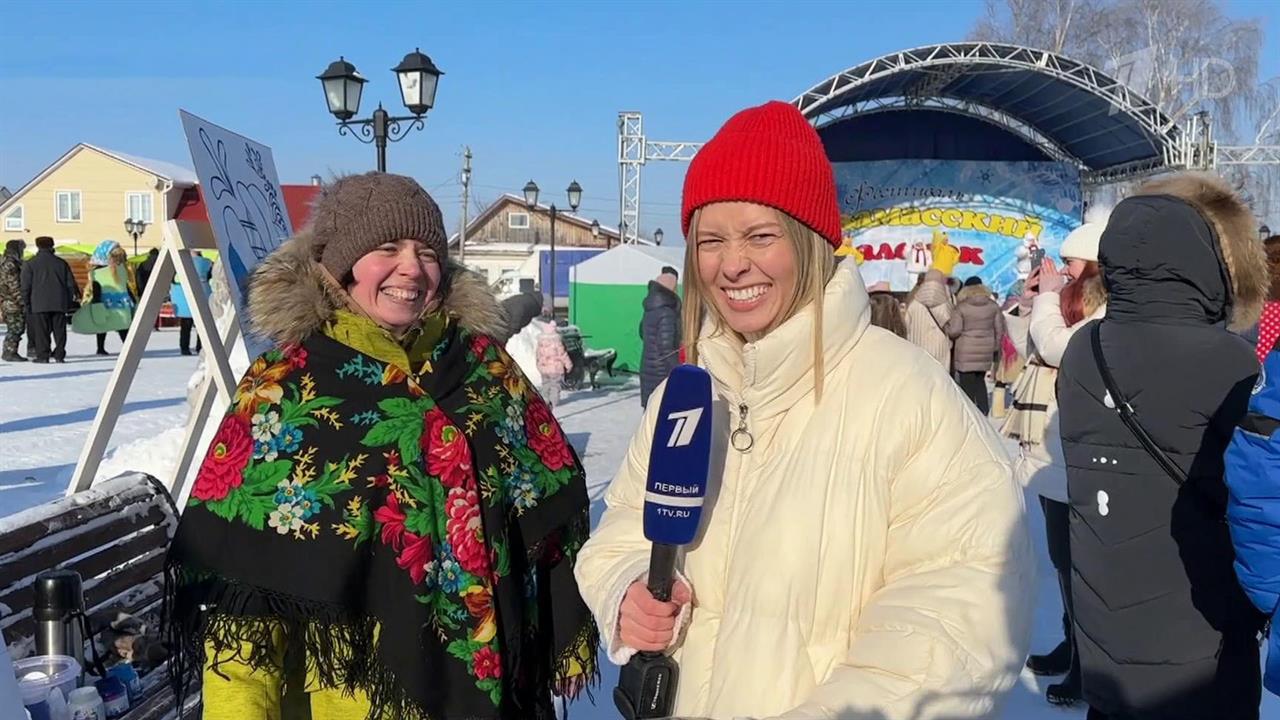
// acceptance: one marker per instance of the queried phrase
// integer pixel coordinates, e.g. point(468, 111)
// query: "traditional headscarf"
point(102, 254)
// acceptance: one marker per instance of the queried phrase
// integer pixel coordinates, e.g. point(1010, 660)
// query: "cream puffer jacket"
point(1042, 468)
point(866, 558)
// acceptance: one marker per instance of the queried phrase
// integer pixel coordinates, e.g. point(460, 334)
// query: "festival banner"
point(995, 213)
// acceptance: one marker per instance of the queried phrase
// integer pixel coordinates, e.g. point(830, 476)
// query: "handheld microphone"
point(679, 461)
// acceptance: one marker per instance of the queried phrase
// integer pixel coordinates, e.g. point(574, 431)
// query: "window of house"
point(138, 207)
point(15, 220)
point(68, 205)
point(518, 220)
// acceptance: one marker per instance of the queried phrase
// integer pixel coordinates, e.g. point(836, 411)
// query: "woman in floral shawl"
point(386, 524)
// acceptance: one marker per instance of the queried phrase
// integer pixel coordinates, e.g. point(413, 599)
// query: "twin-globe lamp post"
point(418, 78)
point(135, 228)
point(574, 192)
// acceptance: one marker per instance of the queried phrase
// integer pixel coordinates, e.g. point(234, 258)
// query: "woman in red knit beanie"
point(863, 552)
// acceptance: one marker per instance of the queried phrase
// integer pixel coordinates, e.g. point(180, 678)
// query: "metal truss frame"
point(634, 150)
point(1180, 146)
point(817, 99)
point(1246, 154)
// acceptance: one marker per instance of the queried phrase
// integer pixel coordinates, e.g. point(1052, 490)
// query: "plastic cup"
point(125, 673)
point(40, 674)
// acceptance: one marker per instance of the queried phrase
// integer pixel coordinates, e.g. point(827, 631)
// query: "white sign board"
point(246, 207)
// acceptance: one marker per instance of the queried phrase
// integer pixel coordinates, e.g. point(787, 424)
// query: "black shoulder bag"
point(1127, 413)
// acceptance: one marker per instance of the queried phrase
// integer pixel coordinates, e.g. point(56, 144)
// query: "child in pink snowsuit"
point(553, 362)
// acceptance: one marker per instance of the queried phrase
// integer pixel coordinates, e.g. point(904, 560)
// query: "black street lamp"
point(135, 228)
point(657, 236)
point(418, 78)
point(595, 229)
point(574, 192)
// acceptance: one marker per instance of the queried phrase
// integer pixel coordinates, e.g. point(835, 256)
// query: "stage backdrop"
point(893, 209)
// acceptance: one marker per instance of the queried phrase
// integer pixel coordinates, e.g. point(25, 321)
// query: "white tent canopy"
point(628, 265)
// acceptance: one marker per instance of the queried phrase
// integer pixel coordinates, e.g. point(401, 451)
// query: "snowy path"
point(46, 412)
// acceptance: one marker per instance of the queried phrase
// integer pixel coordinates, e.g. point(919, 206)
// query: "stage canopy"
point(984, 101)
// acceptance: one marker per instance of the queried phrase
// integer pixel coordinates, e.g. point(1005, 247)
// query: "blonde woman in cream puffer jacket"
point(865, 555)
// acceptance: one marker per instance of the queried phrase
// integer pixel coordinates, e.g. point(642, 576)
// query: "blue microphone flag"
point(679, 458)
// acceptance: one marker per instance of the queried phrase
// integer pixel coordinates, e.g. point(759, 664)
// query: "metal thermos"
point(59, 611)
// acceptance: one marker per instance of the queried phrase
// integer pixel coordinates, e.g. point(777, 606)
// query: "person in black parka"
point(660, 332)
point(49, 292)
point(519, 310)
point(145, 268)
point(1163, 627)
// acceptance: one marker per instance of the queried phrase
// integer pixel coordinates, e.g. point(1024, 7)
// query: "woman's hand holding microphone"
point(646, 623)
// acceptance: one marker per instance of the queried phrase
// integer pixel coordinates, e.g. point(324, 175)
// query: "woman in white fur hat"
point(1056, 304)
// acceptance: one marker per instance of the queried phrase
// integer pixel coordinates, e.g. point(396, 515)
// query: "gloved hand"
point(945, 257)
point(848, 249)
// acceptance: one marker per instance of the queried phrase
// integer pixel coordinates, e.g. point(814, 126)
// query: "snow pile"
point(156, 456)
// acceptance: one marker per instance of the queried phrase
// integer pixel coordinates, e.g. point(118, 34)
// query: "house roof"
point(176, 174)
point(5, 193)
point(297, 200)
point(169, 171)
point(509, 198)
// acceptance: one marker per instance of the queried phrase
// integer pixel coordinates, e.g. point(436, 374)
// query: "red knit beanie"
point(768, 155)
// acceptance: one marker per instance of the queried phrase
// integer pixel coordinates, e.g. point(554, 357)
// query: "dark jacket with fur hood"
point(366, 630)
point(1163, 628)
point(291, 296)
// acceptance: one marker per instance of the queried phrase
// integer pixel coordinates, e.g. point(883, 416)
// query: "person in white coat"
point(862, 552)
point(1055, 305)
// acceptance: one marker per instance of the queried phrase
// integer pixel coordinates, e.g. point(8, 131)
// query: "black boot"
point(13, 357)
point(1056, 662)
point(1065, 693)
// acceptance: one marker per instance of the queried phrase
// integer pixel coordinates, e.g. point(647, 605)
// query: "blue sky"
point(533, 87)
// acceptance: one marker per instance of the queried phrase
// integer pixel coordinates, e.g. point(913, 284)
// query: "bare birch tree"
point(1054, 25)
point(1183, 55)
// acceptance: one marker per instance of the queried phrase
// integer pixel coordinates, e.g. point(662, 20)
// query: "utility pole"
point(466, 194)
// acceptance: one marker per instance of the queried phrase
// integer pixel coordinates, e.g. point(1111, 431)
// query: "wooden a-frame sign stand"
point(174, 258)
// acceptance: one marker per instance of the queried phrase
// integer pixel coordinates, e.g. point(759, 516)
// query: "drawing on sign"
point(245, 203)
point(250, 205)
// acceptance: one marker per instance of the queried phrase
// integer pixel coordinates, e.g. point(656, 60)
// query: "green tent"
point(75, 249)
point(66, 250)
point(606, 296)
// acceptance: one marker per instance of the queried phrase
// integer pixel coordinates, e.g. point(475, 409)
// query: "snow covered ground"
point(46, 412)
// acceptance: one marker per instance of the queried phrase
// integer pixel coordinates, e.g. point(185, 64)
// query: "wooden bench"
point(115, 535)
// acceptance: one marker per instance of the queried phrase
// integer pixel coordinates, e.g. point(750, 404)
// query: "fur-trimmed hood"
point(1094, 293)
point(970, 292)
point(291, 297)
point(1235, 228)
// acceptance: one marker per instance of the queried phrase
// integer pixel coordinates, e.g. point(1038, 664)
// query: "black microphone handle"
point(662, 570)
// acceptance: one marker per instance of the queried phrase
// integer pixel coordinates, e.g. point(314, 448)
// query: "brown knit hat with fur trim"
point(357, 213)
